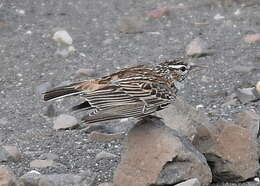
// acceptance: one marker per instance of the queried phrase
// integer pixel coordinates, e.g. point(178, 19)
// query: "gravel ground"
point(28, 59)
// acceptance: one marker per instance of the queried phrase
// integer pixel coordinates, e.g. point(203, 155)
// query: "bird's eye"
point(183, 69)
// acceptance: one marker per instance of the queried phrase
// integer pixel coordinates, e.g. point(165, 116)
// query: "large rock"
point(249, 120)
point(7, 178)
point(155, 154)
point(184, 118)
point(231, 151)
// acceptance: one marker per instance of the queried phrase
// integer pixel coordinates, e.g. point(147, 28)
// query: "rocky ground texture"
point(210, 135)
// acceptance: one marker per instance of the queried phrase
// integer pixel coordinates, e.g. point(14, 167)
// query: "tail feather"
point(60, 92)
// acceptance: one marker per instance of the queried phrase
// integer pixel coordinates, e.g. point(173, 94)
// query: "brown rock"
point(248, 120)
point(155, 154)
point(7, 177)
point(231, 152)
point(251, 38)
point(41, 163)
point(101, 137)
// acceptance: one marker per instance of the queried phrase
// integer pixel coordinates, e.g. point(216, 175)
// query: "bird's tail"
point(60, 92)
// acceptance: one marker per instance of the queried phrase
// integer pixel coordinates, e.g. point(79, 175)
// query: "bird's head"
point(178, 69)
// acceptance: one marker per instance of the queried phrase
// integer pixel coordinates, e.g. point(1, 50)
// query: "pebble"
point(104, 155)
point(197, 48)
point(62, 36)
point(13, 151)
point(86, 72)
point(251, 38)
point(41, 163)
point(243, 69)
point(65, 121)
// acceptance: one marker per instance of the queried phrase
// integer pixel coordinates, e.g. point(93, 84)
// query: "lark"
point(136, 91)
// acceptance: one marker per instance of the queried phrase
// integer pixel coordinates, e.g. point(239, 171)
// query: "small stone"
point(7, 177)
point(65, 121)
point(62, 36)
point(104, 155)
point(218, 17)
point(131, 25)
point(197, 48)
point(257, 88)
point(20, 11)
point(43, 88)
point(102, 137)
point(246, 95)
point(159, 12)
point(251, 38)
point(42, 163)
point(13, 152)
point(86, 72)
point(49, 156)
point(199, 107)
point(190, 182)
point(243, 69)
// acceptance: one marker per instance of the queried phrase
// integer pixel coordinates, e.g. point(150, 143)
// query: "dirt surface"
point(28, 59)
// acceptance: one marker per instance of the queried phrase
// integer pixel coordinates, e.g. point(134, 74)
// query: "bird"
point(136, 91)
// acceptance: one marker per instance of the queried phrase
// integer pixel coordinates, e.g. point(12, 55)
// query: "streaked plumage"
point(132, 92)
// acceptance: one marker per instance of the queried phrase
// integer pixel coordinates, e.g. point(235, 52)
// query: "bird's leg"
point(145, 105)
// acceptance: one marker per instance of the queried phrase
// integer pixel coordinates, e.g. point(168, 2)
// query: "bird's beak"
point(194, 67)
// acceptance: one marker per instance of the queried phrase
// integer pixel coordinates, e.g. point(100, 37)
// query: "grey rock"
point(246, 95)
point(190, 182)
point(243, 69)
point(86, 72)
point(104, 155)
point(9, 153)
point(173, 158)
point(197, 48)
point(184, 118)
point(65, 121)
point(7, 177)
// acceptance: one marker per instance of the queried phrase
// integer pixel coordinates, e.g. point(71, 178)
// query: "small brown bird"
point(132, 92)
